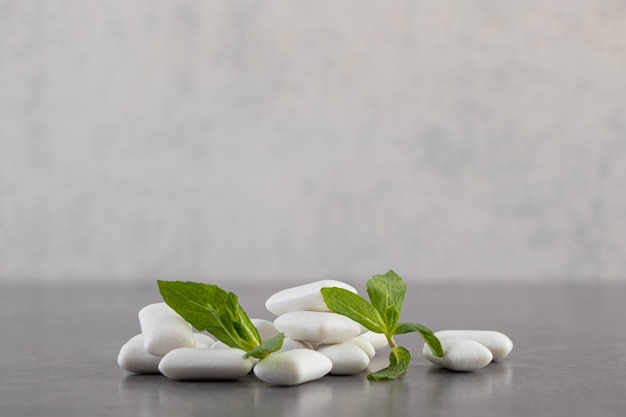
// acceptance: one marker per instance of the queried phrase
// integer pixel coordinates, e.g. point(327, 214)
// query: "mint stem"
point(392, 343)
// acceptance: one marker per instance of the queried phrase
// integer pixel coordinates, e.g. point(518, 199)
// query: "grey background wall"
point(289, 141)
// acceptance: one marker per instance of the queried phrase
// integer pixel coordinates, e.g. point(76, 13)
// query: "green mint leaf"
point(399, 361)
point(429, 337)
point(195, 302)
point(208, 307)
point(385, 291)
point(268, 346)
point(353, 306)
point(240, 321)
point(392, 315)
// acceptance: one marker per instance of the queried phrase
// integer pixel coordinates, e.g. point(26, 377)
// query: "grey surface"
point(258, 140)
point(59, 345)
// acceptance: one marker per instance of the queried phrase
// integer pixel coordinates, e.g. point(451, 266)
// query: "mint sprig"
point(208, 307)
point(382, 315)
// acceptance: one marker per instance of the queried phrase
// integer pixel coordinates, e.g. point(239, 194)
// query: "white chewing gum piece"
point(134, 358)
point(265, 328)
point(290, 344)
point(463, 355)
point(293, 367)
point(316, 326)
point(305, 297)
point(164, 330)
point(498, 343)
point(203, 340)
point(188, 364)
point(347, 358)
point(378, 340)
point(364, 345)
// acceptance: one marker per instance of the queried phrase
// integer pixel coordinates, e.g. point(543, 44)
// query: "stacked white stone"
point(162, 332)
point(304, 318)
point(317, 342)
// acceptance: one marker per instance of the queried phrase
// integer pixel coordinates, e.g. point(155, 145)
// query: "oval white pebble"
point(460, 354)
point(164, 330)
point(305, 297)
point(293, 367)
point(134, 358)
point(347, 358)
point(265, 328)
point(205, 364)
point(316, 326)
point(498, 343)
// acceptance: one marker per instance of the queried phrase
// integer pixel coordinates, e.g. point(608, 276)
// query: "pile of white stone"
point(317, 342)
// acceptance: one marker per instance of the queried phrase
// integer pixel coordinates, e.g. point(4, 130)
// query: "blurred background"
point(269, 141)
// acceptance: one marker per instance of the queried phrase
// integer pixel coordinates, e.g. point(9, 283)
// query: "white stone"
point(205, 364)
point(364, 345)
point(378, 340)
point(290, 344)
point(498, 343)
point(203, 340)
point(316, 326)
point(134, 358)
point(460, 354)
point(164, 330)
point(265, 328)
point(293, 367)
point(305, 297)
point(347, 358)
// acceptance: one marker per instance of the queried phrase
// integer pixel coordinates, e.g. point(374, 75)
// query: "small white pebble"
point(134, 358)
point(265, 328)
point(315, 326)
point(205, 364)
point(498, 343)
point(293, 367)
point(460, 354)
point(164, 330)
point(347, 358)
point(305, 297)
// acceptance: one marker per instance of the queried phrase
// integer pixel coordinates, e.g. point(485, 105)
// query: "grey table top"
point(59, 346)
